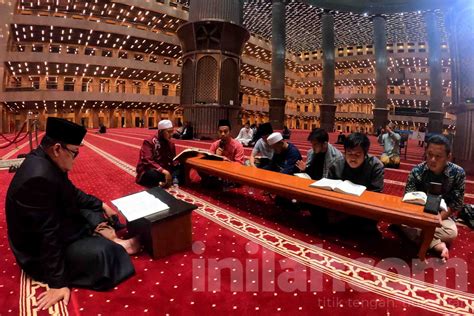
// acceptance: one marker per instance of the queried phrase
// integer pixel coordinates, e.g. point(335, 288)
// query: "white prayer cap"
point(274, 138)
point(165, 124)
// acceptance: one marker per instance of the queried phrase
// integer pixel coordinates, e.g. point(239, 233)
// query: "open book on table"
point(420, 198)
point(193, 152)
point(138, 205)
point(346, 186)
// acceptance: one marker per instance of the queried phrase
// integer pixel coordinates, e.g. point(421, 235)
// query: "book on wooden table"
point(193, 152)
point(139, 205)
point(420, 198)
point(302, 175)
point(346, 187)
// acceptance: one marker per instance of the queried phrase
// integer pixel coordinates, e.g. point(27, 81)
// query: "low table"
point(163, 234)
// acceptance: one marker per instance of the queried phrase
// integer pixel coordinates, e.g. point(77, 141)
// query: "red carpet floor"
point(277, 262)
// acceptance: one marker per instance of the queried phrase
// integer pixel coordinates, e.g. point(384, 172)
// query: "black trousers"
point(152, 177)
point(97, 263)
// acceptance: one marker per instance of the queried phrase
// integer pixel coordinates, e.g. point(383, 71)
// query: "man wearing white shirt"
point(245, 135)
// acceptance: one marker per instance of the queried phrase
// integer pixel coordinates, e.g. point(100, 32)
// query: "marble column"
point(327, 108)
point(94, 123)
point(77, 116)
point(111, 118)
point(128, 118)
point(277, 99)
point(380, 48)
point(436, 114)
point(1, 119)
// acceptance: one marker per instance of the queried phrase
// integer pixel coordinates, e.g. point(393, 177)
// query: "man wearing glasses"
point(59, 234)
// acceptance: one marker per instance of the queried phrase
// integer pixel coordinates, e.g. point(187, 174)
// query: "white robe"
point(245, 136)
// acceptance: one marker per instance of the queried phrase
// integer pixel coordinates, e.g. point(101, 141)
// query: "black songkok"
point(65, 131)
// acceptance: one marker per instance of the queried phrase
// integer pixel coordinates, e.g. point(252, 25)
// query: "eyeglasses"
point(72, 152)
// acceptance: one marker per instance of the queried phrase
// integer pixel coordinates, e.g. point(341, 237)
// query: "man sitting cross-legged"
point(391, 146)
point(245, 135)
point(58, 233)
point(360, 168)
point(437, 168)
point(155, 166)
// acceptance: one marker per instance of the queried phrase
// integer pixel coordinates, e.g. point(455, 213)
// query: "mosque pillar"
point(435, 123)
point(380, 49)
point(212, 43)
point(94, 123)
point(1, 119)
point(327, 108)
point(147, 114)
point(110, 118)
point(277, 99)
point(77, 116)
point(128, 118)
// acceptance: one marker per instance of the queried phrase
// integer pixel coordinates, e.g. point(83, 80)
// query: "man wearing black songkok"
point(58, 233)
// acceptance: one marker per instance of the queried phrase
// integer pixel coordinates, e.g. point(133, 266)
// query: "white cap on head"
point(274, 138)
point(165, 124)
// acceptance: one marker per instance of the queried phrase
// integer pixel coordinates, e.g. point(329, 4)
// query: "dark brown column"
point(380, 49)
point(277, 99)
point(1, 118)
point(460, 25)
point(212, 43)
point(327, 108)
point(435, 123)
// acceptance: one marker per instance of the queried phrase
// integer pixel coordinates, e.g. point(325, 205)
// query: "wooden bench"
point(377, 206)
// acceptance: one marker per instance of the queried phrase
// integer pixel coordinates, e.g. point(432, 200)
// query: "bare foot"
point(132, 245)
point(442, 250)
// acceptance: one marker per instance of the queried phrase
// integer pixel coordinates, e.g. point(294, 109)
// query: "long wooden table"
point(377, 206)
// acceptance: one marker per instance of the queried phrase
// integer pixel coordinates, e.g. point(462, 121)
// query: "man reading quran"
point(59, 234)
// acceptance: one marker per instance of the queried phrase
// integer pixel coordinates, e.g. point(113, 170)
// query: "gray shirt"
point(391, 143)
point(329, 159)
point(263, 148)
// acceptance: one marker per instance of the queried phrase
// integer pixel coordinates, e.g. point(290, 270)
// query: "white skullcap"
point(274, 138)
point(165, 124)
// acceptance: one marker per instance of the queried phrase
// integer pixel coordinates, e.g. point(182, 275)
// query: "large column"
point(327, 108)
point(380, 48)
point(1, 118)
point(128, 118)
point(277, 96)
point(77, 116)
point(110, 118)
point(119, 118)
point(41, 119)
point(435, 123)
point(94, 122)
point(460, 24)
point(212, 43)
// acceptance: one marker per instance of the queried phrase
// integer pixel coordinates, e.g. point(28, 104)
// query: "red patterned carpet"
point(275, 260)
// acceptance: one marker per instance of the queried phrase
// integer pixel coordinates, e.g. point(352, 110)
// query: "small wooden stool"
point(166, 233)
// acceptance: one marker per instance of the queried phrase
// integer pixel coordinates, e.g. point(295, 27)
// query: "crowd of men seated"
point(273, 152)
point(57, 232)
